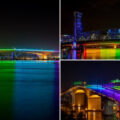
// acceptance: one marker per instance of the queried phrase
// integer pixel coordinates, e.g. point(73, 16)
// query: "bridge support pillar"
point(44, 57)
point(108, 107)
point(94, 102)
point(12, 55)
point(73, 99)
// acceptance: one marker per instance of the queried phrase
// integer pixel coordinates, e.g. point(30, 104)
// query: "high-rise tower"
point(78, 27)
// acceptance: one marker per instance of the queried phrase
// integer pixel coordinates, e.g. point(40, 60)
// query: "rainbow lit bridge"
point(97, 44)
point(90, 98)
point(28, 54)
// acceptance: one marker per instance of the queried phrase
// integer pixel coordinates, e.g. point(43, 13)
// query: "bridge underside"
point(110, 44)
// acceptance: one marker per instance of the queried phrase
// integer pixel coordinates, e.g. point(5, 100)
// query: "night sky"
point(30, 25)
point(93, 72)
point(97, 14)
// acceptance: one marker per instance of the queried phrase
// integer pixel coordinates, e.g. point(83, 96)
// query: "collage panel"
point(90, 90)
point(60, 60)
point(90, 29)
point(29, 60)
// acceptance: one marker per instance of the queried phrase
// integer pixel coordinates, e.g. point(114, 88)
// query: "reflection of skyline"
point(93, 72)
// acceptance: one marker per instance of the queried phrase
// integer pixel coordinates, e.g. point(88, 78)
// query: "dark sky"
point(94, 72)
point(97, 14)
point(29, 25)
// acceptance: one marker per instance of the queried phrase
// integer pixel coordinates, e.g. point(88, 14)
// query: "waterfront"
point(29, 90)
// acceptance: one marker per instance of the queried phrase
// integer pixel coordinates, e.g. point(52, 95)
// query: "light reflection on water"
point(29, 90)
point(89, 53)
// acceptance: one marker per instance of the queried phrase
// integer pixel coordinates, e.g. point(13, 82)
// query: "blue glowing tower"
point(78, 27)
point(78, 30)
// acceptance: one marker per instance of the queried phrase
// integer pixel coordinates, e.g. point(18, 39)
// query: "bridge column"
point(44, 57)
point(12, 55)
point(94, 102)
point(74, 53)
point(73, 98)
point(108, 107)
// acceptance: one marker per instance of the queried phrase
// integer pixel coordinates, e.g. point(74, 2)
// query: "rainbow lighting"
point(111, 93)
point(37, 50)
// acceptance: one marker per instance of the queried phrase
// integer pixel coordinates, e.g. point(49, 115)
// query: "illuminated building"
point(78, 27)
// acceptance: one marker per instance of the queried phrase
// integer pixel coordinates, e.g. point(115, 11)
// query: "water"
point(93, 52)
point(29, 90)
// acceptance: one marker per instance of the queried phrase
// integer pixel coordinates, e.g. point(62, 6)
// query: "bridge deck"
point(111, 93)
point(28, 50)
point(94, 41)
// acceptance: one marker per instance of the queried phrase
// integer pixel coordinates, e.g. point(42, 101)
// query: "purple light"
point(111, 93)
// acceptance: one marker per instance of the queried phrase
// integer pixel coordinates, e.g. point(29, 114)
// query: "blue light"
point(78, 27)
point(41, 50)
point(15, 49)
point(119, 30)
point(74, 53)
point(74, 44)
point(109, 30)
point(94, 87)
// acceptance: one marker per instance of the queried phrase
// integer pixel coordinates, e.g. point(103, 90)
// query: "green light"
point(7, 49)
point(116, 87)
point(108, 53)
point(117, 53)
point(7, 77)
point(78, 82)
point(115, 81)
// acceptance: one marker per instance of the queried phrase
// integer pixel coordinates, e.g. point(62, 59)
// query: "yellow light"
point(45, 57)
point(94, 96)
point(79, 91)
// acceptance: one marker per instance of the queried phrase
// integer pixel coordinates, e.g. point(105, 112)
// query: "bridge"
point(28, 54)
point(90, 99)
point(109, 42)
point(81, 40)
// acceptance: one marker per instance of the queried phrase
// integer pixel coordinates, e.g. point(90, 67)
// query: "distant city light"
point(78, 82)
point(115, 81)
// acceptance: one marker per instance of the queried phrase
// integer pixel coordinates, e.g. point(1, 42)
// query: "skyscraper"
point(78, 27)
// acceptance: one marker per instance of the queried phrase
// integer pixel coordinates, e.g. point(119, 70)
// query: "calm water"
point(29, 90)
